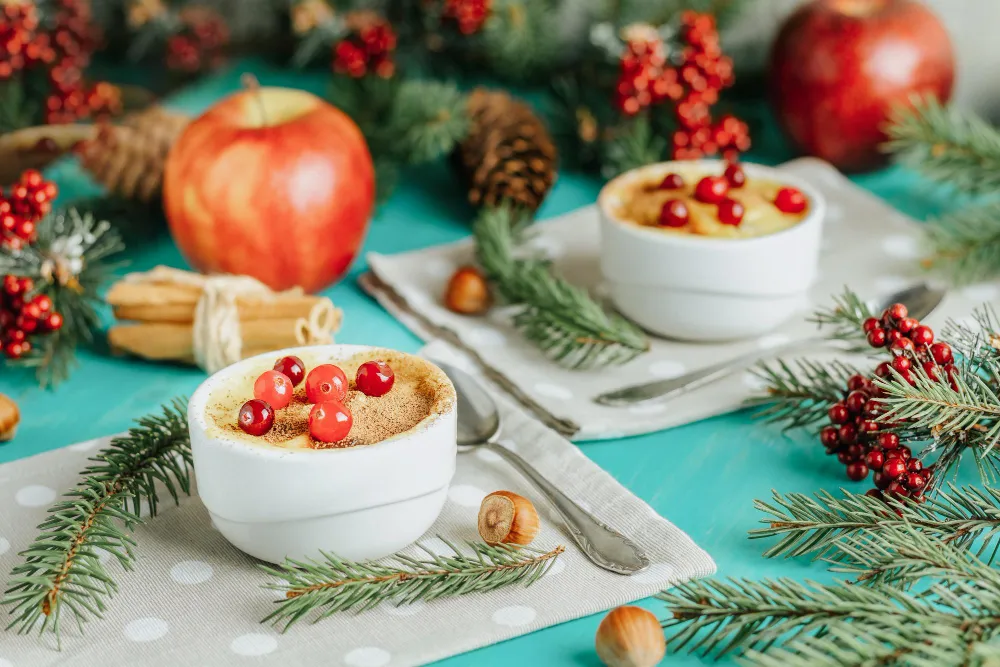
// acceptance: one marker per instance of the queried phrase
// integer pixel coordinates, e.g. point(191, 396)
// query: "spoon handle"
point(604, 546)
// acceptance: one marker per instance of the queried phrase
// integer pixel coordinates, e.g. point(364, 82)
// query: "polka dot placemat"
point(867, 244)
point(193, 599)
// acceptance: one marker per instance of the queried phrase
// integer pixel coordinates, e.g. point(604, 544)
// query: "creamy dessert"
point(315, 402)
point(729, 205)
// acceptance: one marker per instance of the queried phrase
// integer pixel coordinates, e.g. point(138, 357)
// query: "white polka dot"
point(253, 643)
point(4, 545)
point(485, 337)
point(466, 495)
point(405, 609)
point(647, 408)
point(191, 572)
point(772, 340)
point(367, 656)
point(666, 369)
point(556, 567)
point(514, 616)
point(146, 629)
point(34, 496)
point(981, 292)
point(657, 573)
point(85, 446)
point(549, 390)
point(754, 382)
point(901, 246)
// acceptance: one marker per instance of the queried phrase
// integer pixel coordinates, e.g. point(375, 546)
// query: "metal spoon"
point(920, 300)
point(479, 426)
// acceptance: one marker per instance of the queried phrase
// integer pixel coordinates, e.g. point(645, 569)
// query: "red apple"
point(839, 66)
point(272, 183)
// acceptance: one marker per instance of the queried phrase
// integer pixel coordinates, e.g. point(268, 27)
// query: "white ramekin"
point(359, 502)
point(708, 289)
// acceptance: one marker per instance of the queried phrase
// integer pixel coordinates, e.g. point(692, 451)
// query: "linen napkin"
point(193, 599)
point(867, 245)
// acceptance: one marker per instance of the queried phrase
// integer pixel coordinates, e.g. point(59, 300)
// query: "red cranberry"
point(870, 324)
point(731, 212)
point(330, 421)
point(915, 481)
point(848, 433)
point(375, 378)
point(858, 383)
point(293, 368)
point(881, 480)
point(274, 388)
point(843, 457)
point(43, 302)
point(902, 345)
point(901, 363)
point(875, 459)
point(256, 417)
point(855, 452)
point(735, 175)
point(674, 213)
point(888, 440)
point(15, 350)
point(914, 465)
point(672, 182)
point(874, 409)
point(922, 335)
point(942, 353)
point(892, 335)
point(908, 377)
point(868, 426)
point(894, 467)
point(857, 471)
point(883, 370)
point(711, 189)
point(54, 322)
point(895, 312)
point(897, 489)
point(905, 453)
point(907, 324)
point(326, 383)
point(838, 413)
point(790, 200)
point(874, 493)
point(876, 337)
point(829, 436)
point(931, 370)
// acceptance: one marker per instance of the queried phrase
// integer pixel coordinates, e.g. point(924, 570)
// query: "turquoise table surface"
point(703, 477)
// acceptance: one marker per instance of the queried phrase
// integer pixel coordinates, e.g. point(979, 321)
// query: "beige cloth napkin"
point(867, 245)
point(196, 600)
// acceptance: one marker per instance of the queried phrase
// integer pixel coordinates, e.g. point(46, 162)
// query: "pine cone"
point(128, 158)
point(508, 154)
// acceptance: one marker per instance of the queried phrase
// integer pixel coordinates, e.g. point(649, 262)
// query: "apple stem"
point(251, 83)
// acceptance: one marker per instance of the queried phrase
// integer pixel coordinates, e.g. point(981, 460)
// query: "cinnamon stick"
point(174, 341)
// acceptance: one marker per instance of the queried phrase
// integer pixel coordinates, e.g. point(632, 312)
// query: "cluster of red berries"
point(369, 49)
point(21, 209)
point(18, 35)
point(23, 315)
point(326, 388)
point(468, 15)
point(200, 43)
point(854, 434)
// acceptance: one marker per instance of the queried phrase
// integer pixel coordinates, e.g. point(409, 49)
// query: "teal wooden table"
point(703, 477)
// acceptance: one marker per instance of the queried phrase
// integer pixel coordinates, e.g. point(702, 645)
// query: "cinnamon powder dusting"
point(420, 390)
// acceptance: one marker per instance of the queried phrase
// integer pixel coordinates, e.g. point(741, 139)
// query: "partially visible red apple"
point(839, 66)
point(272, 183)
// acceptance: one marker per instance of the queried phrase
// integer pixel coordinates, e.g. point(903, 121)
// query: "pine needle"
point(798, 394)
point(62, 569)
point(331, 585)
point(965, 245)
point(560, 318)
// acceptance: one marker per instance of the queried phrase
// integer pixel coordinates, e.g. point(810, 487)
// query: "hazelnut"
point(468, 292)
point(10, 416)
point(507, 518)
point(630, 637)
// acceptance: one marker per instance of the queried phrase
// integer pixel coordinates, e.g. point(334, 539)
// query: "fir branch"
point(62, 569)
point(979, 345)
point(799, 395)
point(845, 318)
point(967, 518)
point(965, 244)
point(333, 585)
point(946, 145)
point(633, 145)
point(428, 118)
point(521, 38)
point(562, 319)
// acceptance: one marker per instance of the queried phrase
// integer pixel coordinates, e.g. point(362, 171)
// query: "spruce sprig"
point(62, 569)
point(965, 244)
point(966, 517)
point(569, 326)
point(331, 585)
point(799, 394)
point(844, 319)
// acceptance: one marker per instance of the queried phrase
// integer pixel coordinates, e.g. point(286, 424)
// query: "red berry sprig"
point(368, 49)
point(21, 209)
point(18, 26)
point(201, 42)
point(467, 15)
point(24, 316)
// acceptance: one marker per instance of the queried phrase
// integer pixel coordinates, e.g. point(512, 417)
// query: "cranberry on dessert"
point(674, 213)
point(711, 189)
point(730, 212)
point(330, 421)
point(375, 378)
point(293, 368)
point(274, 388)
point(672, 182)
point(790, 200)
point(256, 417)
point(735, 175)
point(326, 383)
